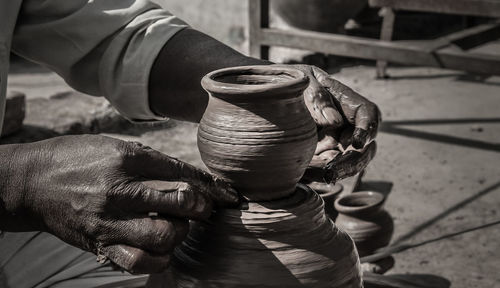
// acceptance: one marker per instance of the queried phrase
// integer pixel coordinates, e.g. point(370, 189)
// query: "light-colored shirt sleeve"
point(100, 47)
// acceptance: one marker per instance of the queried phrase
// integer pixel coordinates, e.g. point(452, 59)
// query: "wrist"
point(14, 213)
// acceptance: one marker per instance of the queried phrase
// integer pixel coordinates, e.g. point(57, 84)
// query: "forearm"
point(174, 85)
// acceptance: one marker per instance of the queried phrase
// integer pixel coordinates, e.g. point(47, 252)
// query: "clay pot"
point(317, 15)
point(257, 133)
point(328, 192)
point(362, 216)
point(282, 243)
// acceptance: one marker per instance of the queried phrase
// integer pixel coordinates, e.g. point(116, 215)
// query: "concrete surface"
point(439, 149)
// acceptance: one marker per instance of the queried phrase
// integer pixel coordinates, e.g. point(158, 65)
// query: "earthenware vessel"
point(256, 132)
point(362, 216)
point(328, 192)
point(283, 243)
point(258, 135)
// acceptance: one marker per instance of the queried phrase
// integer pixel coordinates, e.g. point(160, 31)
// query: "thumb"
point(321, 106)
point(135, 260)
point(320, 102)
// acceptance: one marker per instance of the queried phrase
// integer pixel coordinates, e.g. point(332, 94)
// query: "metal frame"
point(446, 52)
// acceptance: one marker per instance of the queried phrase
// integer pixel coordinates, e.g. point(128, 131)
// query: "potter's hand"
point(97, 193)
point(345, 120)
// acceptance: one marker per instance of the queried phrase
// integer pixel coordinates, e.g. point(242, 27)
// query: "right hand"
point(347, 123)
point(97, 193)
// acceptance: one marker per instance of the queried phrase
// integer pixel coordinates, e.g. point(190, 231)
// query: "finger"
point(327, 142)
point(316, 169)
point(327, 83)
point(346, 137)
point(321, 106)
point(178, 199)
point(328, 155)
point(349, 163)
point(152, 164)
point(135, 260)
point(320, 161)
point(153, 234)
point(359, 138)
point(366, 122)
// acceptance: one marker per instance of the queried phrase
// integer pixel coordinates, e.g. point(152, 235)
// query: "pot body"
point(317, 15)
point(370, 226)
point(257, 134)
point(283, 243)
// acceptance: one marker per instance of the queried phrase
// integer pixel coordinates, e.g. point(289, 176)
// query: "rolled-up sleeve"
point(100, 47)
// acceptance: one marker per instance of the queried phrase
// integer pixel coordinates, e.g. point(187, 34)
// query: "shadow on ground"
point(392, 127)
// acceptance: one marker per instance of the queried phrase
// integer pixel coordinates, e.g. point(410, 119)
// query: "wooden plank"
point(254, 27)
point(367, 48)
point(258, 19)
point(475, 36)
point(463, 39)
point(471, 62)
point(349, 46)
point(486, 8)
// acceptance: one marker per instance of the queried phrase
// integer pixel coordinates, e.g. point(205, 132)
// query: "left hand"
point(347, 122)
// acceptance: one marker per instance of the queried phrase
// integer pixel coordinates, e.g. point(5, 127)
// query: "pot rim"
point(345, 204)
point(334, 189)
point(298, 80)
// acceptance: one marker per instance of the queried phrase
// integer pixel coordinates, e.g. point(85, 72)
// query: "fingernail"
point(333, 117)
point(227, 192)
point(232, 195)
point(359, 138)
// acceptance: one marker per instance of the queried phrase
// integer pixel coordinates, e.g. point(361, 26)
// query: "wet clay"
point(258, 135)
point(286, 243)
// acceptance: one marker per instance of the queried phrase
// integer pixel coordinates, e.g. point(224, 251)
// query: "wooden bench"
point(448, 52)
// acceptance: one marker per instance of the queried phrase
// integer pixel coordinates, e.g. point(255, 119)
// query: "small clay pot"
point(328, 192)
point(257, 133)
point(362, 216)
